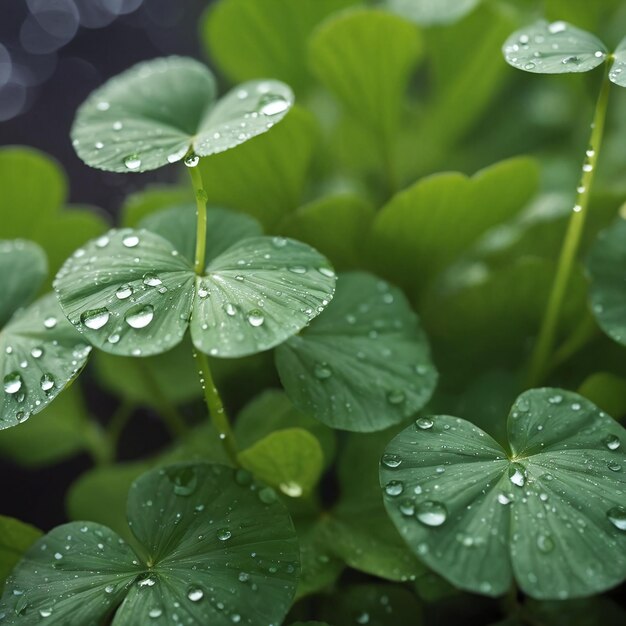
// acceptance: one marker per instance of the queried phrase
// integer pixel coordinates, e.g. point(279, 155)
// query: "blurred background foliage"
point(414, 152)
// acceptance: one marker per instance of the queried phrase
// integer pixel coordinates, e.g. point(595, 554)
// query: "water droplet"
point(396, 397)
point(140, 317)
point(291, 489)
point(185, 480)
point(394, 488)
point(146, 582)
point(118, 125)
point(230, 309)
point(298, 269)
point(12, 383)
point(192, 160)
point(529, 66)
point(154, 613)
point(503, 498)
point(391, 460)
point(195, 594)
point(151, 280)
point(103, 106)
point(36, 352)
point(45, 612)
point(614, 466)
point(322, 371)
point(130, 241)
point(555, 399)
point(517, 474)
point(223, 534)
point(617, 517)
point(272, 104)
point(545, 543)
point(50, 322)
point(572, 60)
point(326, 271)
point(431, 513)
point(47, 382)
point(95, 318)
point(407, 507)
point(267, 495)
point(557, 27)
point(177, 156)
point(612, 442)
point(256, 318)
point(123, 292)
point(109, 589)
point(424, 423)
point(132, 162)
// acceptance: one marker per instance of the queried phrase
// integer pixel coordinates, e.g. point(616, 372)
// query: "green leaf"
point(290, 459)
point(41, 354)
point(429, 12)
point(554, 48)
point(138, 206)
point(350, 217)
point(33, 187)
point(365, 57)
point(157, 111)
point(549, 513)
point(606, 266)
point(190, 567)
point(178, 226)
point(272, 411)
point(416, 235)
point(266, 177)
point(606, 391)
point(129, 292)
point(60, 431)
point(365, 364)
point(257, 294)
point(257, 38)
point(618, 73)
point(23, 268)
point(15, 538)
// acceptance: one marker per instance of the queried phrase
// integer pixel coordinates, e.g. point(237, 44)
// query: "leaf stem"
point(201, 216)
point(218, 415)
point(547, 335)
point(116, 425)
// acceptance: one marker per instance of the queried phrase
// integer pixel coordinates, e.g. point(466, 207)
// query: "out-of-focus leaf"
point(15, 538)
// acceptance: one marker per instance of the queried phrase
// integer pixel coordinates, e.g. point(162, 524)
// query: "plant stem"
point(117, 423)
point(216, 408)
point(546, 340)
point(211, 395)
point(201, 216)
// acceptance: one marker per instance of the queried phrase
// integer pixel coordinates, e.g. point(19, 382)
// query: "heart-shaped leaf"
point(15, 538)
point(606, 266)
point(551, 513)
point(158, 111)
point(220, 550)
point(40, 353)
point(617, 74)
point(430, 12)
point(554, 48)
point(365, 364)
point(132, 293)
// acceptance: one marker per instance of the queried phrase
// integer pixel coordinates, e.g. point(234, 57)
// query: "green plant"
point(316, 231)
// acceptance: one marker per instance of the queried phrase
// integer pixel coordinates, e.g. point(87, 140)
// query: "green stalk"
point(547, 335)
point(211, 395)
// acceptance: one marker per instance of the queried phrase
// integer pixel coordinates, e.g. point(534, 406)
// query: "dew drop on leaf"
point(391, 460)
point(256, 318)
point(130, 241)
point(132, 162)
point(545, 543)
point(272, 104)
point(617, 517)
point(95, 319)
point(47, 382)
point(394, 488)
point(517, 474)
point(140, 317)
point(322, 371)
point(424, 423)
point(123, 292)
point(612, 442)
point(223, 534)
point(431, 513)
point(195, 594)
point(12, 383)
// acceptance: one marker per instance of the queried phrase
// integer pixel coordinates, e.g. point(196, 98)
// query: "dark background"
point(60, 51)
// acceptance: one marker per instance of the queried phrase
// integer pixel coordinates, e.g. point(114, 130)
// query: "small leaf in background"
point(157, 111)
point(606, 267)
point(257, 294)
point(15, 539)
point(139, 205)
point(129, 292)
point(606, 391)
point(430, 12)
point(365, 57)
point(350, 216)
point(265, 177)
point(617, 74)
point(554, 48)
point(365, 364)
point(41, 354)
point(417, 234)
point(257, 38)
point(551, 513)
point(241, 563)
point(290, 460)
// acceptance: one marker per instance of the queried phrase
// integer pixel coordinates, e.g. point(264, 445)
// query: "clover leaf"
point(552, 513)
point(617, 73)
point(431, 12)
point(365, 364)
point(212, 546)
point(131, 292)
point(554, 48)
point(158, 111)
point(40, 352)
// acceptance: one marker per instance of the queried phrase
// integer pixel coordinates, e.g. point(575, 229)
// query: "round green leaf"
point(552, 512)
point(257, 294)
point(178, 225)
point(606, 266)
point(554, 48)
point(23, 268)
point(363, 365)
point(290, 459)
point(429, 12)
point(157, 111)
point(129, 292)
point(213, 548)
point(15, 538)
point(617, 73)
point(40, 353)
